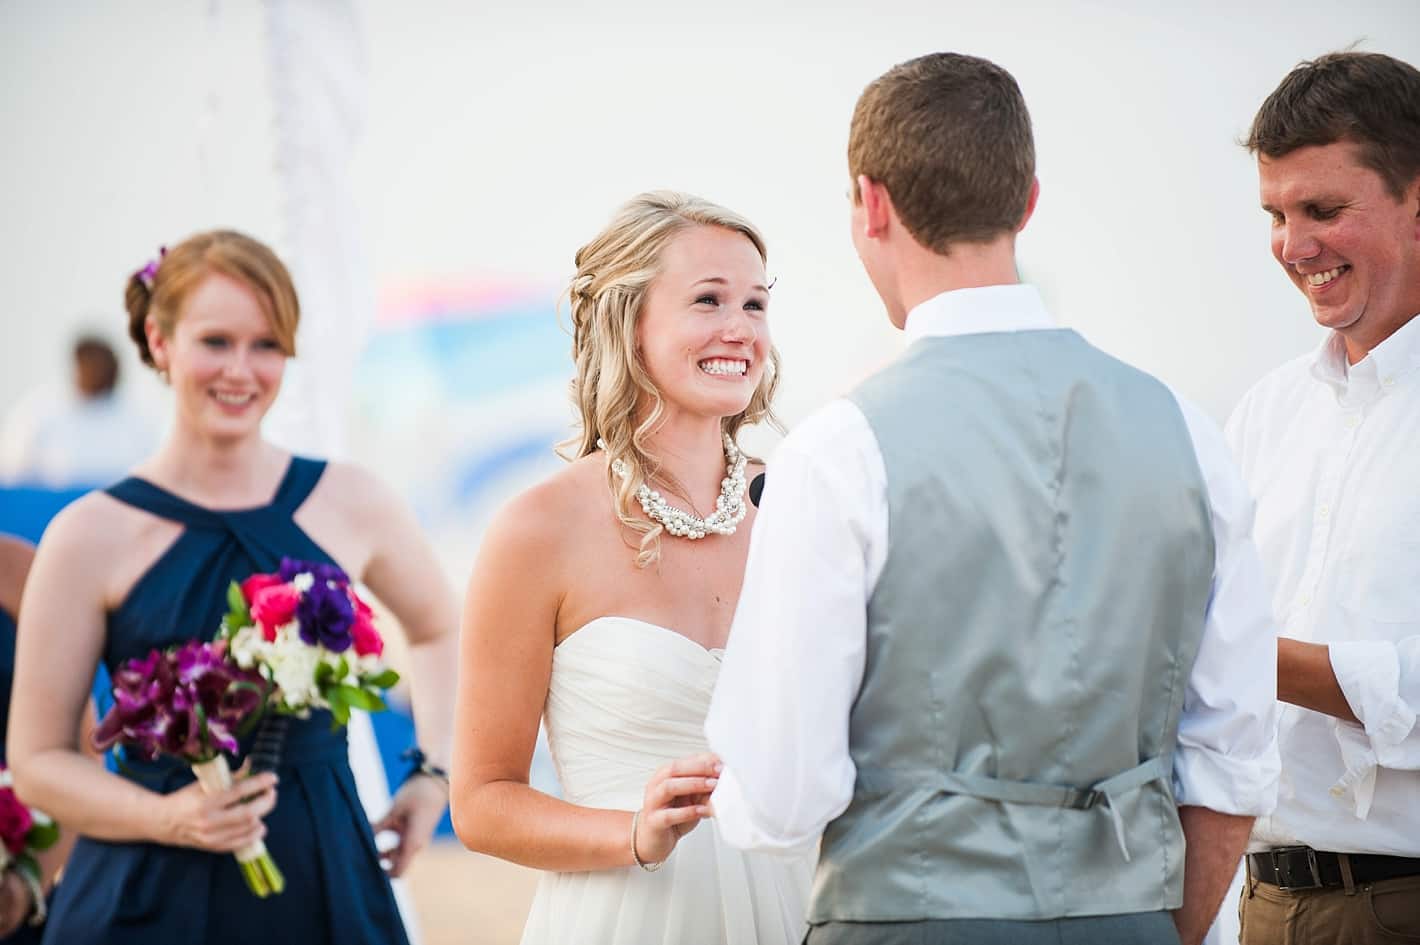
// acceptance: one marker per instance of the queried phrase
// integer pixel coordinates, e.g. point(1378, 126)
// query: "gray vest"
point(1050, 560)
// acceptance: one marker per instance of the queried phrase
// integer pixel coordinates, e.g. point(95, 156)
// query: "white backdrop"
point(499, 139)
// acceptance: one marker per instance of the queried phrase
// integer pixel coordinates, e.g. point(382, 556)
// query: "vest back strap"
point(1102, 793)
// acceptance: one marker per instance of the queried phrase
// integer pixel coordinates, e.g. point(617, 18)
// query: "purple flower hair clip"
point(150, 272)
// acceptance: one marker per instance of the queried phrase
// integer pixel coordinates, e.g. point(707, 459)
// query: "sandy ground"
point(468, 899)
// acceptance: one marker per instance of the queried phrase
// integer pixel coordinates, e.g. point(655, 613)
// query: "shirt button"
point(1324, 511)
point(1306, 600)
point(1352, 422)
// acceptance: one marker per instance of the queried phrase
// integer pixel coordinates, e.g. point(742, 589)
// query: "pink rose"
point(368, 641)
point(258, 582)
point(15, 822)
point(273, 606)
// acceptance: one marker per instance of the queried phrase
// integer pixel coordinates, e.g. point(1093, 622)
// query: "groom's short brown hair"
point(949, 136)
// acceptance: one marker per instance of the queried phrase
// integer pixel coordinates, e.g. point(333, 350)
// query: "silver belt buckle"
point(1289, 880)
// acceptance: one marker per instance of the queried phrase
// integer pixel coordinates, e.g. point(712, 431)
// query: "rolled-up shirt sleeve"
point(1381, 681)
point(794, 664)
point(1227, 758)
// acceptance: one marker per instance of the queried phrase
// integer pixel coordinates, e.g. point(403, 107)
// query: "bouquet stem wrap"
point(258, 868)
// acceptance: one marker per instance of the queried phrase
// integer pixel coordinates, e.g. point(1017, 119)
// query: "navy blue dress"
point(7, 673)
point(146, 894)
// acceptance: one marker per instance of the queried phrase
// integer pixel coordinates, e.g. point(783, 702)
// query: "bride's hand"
point(677, 798)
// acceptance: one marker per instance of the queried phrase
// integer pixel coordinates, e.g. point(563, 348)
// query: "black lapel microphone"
point(756, 489)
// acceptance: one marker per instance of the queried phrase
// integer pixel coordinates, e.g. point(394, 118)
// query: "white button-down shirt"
point(779, 717)
point(1332, 454)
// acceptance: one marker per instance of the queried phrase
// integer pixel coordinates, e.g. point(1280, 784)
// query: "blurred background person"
point(88, 433)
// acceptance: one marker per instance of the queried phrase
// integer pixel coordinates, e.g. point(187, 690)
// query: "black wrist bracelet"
point(422, 765)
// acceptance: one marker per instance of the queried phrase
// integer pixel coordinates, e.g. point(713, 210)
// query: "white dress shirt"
point(1332, 455)
point(794, 664)
point(56, 439)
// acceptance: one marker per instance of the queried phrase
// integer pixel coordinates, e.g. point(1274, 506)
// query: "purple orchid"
point(188, 702)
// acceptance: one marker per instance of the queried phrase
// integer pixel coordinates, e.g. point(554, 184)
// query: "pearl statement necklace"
point(730, 505)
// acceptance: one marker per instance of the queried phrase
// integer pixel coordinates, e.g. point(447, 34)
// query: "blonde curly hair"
point(611, 385)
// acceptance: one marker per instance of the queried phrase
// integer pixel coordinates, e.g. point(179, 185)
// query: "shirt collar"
point(1387, 361)
point(977, 311)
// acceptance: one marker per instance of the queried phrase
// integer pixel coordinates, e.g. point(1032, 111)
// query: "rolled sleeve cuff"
point(735, 819)
point(1368, 673)
point(1246, 787)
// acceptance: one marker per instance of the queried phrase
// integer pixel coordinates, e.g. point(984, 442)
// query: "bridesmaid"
point(145, 564)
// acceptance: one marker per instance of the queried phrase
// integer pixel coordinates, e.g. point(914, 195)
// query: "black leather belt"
point(1305, 868)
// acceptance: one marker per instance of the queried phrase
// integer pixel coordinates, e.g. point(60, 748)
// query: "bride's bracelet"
point(648, 867)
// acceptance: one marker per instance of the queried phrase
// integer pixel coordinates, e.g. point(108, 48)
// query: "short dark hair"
point(97, 365)
point(949, 136)
point(1370, 99)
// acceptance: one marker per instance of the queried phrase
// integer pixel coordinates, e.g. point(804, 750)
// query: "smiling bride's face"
point(703, 330)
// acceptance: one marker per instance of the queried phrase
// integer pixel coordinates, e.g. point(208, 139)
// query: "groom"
point(1003, 632)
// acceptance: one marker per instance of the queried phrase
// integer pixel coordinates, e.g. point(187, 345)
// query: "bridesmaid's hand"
point(677, 799)
point(219, 823)
point(416, 810)
point(16, 901)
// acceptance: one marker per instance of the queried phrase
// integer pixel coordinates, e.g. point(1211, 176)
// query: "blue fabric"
point(117, 893)
point(25, 511)
point(7, 673)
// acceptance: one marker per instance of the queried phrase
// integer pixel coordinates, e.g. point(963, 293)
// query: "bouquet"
point(191, 702)
point(310, 636)
point(24, 832)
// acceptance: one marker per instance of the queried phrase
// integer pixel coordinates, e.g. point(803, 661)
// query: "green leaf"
point(342, 669)
point(28, 864)
point(238, 615)
point(360, 699)
point(324, 676)
point(383, 680)
point(42, 836)
point(339, 709)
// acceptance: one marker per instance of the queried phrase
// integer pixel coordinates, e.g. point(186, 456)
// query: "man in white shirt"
point(89, 435)
point(1004, 637)
point(1330, 446)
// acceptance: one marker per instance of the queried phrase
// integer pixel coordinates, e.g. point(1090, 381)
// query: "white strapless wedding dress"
point(626, 697)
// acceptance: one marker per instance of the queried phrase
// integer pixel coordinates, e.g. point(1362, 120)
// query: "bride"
point(602, 600)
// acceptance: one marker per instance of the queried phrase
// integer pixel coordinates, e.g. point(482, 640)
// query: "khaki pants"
point(1383, 913)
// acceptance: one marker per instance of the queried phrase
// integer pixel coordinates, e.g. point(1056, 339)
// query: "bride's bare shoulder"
point(543, 516)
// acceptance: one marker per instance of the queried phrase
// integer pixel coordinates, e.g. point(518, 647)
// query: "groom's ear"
point(877, 207)
point(1030, 204)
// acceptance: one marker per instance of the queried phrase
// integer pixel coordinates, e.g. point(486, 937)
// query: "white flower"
point(293, 670)
point(248, 647)
point(303, 581)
